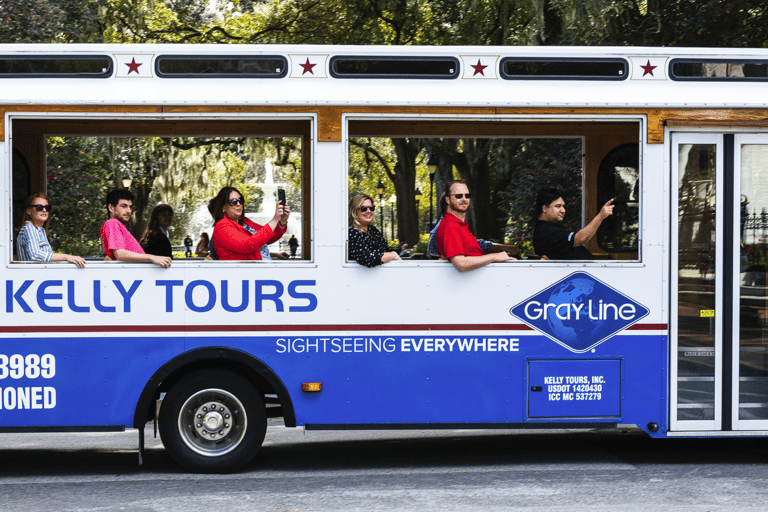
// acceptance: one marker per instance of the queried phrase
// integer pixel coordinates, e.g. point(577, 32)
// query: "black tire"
point(212, 421)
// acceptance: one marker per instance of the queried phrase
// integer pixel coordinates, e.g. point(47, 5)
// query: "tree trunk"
point(404, 180)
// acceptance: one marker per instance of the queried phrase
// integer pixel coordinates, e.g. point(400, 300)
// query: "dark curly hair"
point(216, 205)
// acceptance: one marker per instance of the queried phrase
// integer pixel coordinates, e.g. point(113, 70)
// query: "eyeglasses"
point(459, 196)
point(239, 200)
point(367, 209)
point(41, 207)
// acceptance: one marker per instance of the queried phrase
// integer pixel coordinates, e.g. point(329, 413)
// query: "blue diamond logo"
point(579, 312)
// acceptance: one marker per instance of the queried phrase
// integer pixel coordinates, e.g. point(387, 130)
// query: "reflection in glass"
point(696, 282)
point(82, 66)
point(217, 66)
point(753, 291)
point(605, 69)
point(618, 178)
point(691, 69)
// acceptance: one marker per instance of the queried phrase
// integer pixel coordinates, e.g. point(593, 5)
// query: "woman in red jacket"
point(235, 237)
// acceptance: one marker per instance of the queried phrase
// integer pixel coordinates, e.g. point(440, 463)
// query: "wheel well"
point(258, 373)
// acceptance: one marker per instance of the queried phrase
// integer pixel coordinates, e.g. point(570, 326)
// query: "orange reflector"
point(312, 386)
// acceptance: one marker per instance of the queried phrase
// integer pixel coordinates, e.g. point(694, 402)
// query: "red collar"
point(455, 219)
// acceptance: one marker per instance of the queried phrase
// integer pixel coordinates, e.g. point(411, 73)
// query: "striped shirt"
point(32, 244)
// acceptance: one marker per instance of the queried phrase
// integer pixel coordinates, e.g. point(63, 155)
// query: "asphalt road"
point(392, 470)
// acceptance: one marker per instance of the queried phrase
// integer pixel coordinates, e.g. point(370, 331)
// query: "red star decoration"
point(478, 68)
point(648, 69)
point(308, 67)
point(133, 66)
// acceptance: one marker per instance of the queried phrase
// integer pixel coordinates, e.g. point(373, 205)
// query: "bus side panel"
point(417, 378)
point(467, 377)
point(77, 381)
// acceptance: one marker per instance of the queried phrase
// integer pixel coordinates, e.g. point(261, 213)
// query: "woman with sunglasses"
point(32, 240)
point(235, 237)
point(366, 246)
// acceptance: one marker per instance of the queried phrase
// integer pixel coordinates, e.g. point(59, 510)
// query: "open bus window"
point(503, 174)
point(183, 172)
point(504, 169)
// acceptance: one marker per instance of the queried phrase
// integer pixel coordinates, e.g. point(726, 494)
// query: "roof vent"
point(714, 70)
point(514, 68)
point(58, 66)
point(221, 66)
point(429, 68)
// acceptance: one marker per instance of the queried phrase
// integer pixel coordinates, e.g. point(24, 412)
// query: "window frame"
point(480, 120)
point(126, 121)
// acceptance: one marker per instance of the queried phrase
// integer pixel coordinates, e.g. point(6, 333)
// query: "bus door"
point(749, 285)
point(719, 314)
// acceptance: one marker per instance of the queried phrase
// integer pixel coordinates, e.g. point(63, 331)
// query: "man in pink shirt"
point(118, 243)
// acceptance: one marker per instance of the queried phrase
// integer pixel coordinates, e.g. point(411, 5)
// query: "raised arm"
point(587, 232)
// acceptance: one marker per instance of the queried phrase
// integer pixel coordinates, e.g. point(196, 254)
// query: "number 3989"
point(30, 366)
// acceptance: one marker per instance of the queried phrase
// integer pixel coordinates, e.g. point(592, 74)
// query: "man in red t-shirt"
point(454, 240)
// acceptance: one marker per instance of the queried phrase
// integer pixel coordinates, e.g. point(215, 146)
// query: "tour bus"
point(664, 329)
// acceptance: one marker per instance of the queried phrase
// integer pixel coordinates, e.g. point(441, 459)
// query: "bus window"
point(504, 175)
point(183, 172)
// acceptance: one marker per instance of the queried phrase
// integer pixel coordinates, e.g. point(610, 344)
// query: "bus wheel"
point(212, 421)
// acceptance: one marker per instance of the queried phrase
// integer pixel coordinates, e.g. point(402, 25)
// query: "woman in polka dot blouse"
point(367, 246)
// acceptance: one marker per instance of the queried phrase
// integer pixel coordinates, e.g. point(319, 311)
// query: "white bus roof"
point(308, 78)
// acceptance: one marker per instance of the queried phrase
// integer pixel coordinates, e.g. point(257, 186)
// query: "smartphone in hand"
point(281, 196)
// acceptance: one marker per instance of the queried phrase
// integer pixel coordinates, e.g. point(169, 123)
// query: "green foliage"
point(709, 23)
point(77, 184)
point(421, 246)
point(398, 22)
point(181, 172)
point(714, 23)
point(534, 164)
point(50, 21)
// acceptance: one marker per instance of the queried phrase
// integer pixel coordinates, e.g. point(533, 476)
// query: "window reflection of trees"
point(618, 178)
point(696, 208)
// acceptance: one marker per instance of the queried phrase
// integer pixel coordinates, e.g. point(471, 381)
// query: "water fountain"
point(268, 205)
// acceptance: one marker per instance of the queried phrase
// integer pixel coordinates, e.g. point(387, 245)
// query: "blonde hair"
point(354, 206)
point(25, 214)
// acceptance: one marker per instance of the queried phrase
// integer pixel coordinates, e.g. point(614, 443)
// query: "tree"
point(50, 21)
point(78, 181)
point(709, 23)
point(182, 172)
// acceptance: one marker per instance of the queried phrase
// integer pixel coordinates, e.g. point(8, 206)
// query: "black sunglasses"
point(41, 207)
point(459, 196)
point(233, 202)
point(367, 209)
